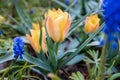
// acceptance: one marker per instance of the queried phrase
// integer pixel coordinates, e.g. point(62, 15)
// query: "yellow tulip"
point(92, 23)
point(57, 24)
point(35, 37)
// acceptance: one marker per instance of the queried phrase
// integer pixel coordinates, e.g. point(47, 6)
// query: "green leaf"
point(37, 62)
point(77, 76)
point(76, 59)
point(86, 59)
point(19, 26)
point(3, 51)
point(6, 57)
point(62, 55)
point(23, 17)
point(114, 76)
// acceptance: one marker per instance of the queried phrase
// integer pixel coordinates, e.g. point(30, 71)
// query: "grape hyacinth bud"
point(31, 11)
point(67, 2)
point(18, 47)
point(0, 32)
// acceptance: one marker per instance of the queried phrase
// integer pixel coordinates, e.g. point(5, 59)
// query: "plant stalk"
point(101, 68)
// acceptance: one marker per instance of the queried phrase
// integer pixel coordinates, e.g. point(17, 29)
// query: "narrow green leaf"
point(62, 55)
point(26, 23)
point(6, 57)
point(37, 62)
point(76, 59)
point(114, 76)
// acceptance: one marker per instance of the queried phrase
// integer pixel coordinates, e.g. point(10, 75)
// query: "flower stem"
point(56, 47)
point(101, 68)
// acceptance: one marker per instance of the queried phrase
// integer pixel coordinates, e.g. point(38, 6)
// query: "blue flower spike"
point(111, 11)
point(18, 47)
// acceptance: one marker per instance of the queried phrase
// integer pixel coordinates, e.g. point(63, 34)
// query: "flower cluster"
point(111, 10)
point(18, 47)
point(57, 27)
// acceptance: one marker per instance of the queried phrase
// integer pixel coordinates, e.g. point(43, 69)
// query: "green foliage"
point(93, 60)
point(18, 71)
point(77, 76)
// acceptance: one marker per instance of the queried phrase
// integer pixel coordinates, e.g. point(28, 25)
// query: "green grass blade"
point(37, 62)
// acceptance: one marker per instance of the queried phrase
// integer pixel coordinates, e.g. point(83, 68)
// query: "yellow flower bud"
point(57, 24)
point(91, 23)
point(2, 19)
point(34, 39)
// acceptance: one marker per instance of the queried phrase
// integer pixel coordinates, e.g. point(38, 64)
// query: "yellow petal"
point(44, 45)
point(32, 43)
point(36, 26)
point(67, 28)
point(35, 37)
point(61, 21)
point(53, 29)
point(59, 11)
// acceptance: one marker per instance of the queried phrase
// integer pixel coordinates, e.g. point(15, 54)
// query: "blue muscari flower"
point(67, 2)
point(18, 47)
point(76, 1)
point(0, 32)
point(101, 43)
point(111, 11)
point(15, 1)
point(31, 11)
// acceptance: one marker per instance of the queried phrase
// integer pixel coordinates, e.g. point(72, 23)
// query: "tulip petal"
point(32, 43)
point(44, 45)
point(53, 29)
point(67, 28)
point(36, 36)
point(36, 26)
